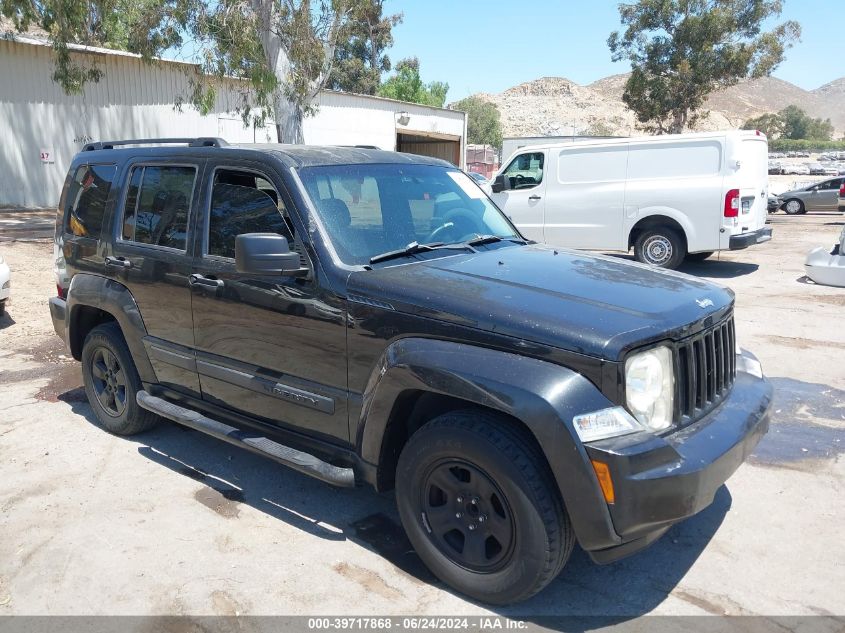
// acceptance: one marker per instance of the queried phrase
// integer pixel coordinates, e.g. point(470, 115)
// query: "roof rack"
point(203, 141)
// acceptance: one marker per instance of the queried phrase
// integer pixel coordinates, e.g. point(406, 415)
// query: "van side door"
point(270, 346)
point(523, 199)
point(585, 197)
point(150, 255)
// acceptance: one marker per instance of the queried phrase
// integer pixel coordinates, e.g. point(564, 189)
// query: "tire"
point(522, 536)
point(111, 382)
point(661, 247)
point(699, 257)
point(793, 206)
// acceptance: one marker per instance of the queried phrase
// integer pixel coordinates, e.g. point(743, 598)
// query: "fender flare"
point(542, 395)
point(102, 293)
point(690, 234)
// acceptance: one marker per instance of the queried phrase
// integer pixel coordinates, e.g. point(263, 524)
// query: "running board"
point(303, 462)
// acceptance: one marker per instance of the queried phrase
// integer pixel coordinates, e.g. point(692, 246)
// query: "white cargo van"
point(667, 197)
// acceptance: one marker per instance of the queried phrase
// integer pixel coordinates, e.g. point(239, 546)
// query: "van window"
point(674, 160)
point(242, 202)
point(86, 200)
point(525, 171)
point(157, 205)
point(592, 164)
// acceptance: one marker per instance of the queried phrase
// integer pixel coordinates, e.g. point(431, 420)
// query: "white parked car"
point(5, 283)
point(667, 197)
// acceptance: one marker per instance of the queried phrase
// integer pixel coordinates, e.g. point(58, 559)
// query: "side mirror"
point(266, 254)
point(500, 183)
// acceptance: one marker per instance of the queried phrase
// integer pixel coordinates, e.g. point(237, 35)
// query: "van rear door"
point(752, 180)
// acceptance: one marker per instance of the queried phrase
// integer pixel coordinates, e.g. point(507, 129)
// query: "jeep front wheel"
point(481, 507)
point(111, 382)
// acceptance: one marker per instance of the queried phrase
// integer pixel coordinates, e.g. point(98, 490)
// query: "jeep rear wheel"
point(481, 507)
point(111, 382)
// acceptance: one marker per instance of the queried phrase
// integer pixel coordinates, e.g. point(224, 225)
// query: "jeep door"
point(270, 346)
point(150, 255)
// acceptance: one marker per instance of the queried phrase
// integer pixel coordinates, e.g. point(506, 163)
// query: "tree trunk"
point(289, 117)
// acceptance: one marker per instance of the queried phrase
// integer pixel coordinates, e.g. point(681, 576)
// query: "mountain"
point(552, 106)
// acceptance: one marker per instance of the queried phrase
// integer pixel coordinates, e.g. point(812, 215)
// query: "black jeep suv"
point(371, 317)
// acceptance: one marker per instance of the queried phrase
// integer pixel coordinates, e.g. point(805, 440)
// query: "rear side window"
point(86, 200)
point(158, 202)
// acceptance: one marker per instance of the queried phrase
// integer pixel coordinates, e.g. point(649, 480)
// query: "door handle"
point(205, 282)
point(119, 262)
point(534, 197)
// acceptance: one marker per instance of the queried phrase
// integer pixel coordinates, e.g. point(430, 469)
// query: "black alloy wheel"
point(468, 516)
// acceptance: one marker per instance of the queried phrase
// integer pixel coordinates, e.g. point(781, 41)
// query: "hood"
point(588, 304)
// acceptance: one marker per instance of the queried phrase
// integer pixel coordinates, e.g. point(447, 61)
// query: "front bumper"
point(58, 311)
point(659, 481)
point(744, 240)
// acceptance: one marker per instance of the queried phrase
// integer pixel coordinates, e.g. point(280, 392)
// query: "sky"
point(491, 45)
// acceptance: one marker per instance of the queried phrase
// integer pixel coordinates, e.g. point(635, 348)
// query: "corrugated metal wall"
point(135, 100)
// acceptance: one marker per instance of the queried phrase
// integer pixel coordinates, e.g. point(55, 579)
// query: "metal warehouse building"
point(42, 128)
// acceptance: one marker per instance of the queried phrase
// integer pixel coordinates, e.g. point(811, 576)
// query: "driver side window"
point(525, 171)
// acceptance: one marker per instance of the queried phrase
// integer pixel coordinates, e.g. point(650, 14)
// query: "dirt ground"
point(173, 522)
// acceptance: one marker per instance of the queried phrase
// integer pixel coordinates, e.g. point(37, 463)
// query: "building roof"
point(36, 37)
point(296, 156)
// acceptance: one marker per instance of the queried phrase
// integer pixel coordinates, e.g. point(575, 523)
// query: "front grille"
point(706, 370)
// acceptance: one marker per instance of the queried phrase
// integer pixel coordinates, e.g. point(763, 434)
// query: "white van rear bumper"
point(744, 240)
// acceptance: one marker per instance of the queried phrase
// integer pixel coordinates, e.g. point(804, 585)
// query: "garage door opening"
point(444, 146)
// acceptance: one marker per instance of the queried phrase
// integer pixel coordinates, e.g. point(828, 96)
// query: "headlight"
point(650, 387)
point(598, 425)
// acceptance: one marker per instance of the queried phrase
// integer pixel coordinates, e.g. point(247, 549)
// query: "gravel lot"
point(173, 522)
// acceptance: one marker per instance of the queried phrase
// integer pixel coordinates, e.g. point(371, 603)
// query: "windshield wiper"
point(414, 248)
point(492, 239)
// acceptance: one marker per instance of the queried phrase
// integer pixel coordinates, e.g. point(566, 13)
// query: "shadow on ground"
point(230, 476)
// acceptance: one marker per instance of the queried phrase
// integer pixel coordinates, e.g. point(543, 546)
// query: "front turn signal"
point(605, 481)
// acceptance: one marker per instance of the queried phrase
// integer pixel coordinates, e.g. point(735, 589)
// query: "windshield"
point(373, 209)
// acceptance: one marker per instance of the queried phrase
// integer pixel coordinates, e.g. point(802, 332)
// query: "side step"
point(303, 462)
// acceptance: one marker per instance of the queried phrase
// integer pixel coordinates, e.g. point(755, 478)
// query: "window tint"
point(526, 170)
point(157, 205)
point(86, 199)
point(243, 203)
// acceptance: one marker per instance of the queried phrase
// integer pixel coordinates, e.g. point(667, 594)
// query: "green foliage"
point(141, 26)
point(405, 85)
point(806, 145)
point(770, 124)
point(360, 57)
point(682, 50)
point(484, 125)
point(283, 50)
point(791, 123)
point(798, 125)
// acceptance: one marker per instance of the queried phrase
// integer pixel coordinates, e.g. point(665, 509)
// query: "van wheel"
point(481, 507)
point(793, 206)
point(661, 247)
point(111, 382)
point(699, 257)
